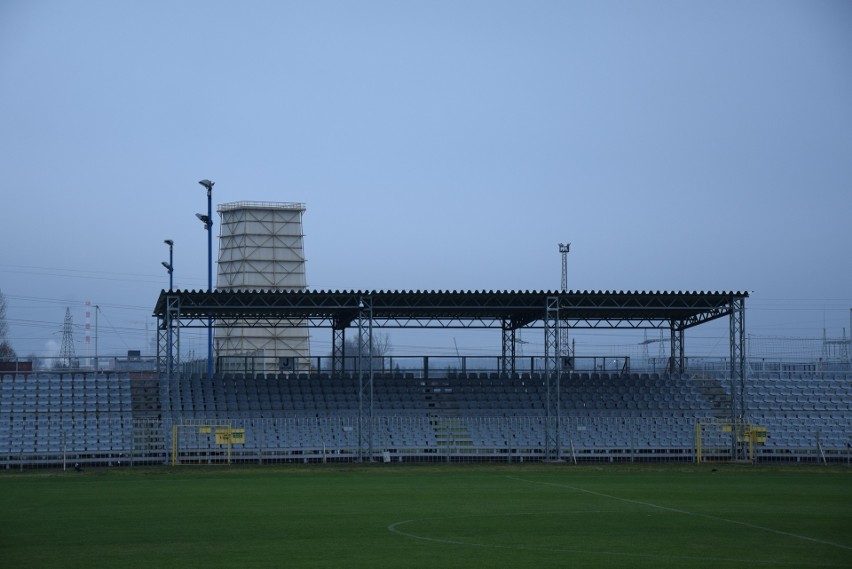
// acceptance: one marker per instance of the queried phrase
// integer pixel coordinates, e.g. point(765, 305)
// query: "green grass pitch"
point(436, 516)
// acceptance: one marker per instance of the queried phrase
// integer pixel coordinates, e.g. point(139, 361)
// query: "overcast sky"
point(437, 145)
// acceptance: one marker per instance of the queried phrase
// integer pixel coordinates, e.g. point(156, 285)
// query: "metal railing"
point(62, 441)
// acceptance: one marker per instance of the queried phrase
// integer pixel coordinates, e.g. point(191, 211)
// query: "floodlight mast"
point(170, 267)
point(564, 249)
point(97, 309)
point(208, 225)
point(564, 348)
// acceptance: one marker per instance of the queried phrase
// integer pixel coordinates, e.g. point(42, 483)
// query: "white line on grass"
point(395, 528)
point(685, 512)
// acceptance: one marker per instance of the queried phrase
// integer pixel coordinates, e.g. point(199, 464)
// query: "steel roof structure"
point(447, 309)
point(507, 310)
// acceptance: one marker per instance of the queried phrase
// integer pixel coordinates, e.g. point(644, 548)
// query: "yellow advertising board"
point(230, 436)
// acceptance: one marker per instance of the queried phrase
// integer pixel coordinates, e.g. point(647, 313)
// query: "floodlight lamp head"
point(207, 184)
point(167, 266)
point(204, 219)
point(169, 242)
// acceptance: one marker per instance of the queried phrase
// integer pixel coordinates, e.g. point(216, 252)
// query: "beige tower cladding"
point(261, 247)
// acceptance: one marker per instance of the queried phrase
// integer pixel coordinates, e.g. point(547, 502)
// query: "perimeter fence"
point(49, 420)
point(52, 441)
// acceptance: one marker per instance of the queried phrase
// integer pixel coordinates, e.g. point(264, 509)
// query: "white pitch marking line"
point(394, 528)
point(679, 511)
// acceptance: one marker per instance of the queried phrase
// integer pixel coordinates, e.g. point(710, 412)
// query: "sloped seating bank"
point(113, 419)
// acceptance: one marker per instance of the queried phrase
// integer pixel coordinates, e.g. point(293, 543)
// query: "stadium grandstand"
point(368, 407)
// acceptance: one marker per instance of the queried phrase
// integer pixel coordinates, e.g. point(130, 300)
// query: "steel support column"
point(507, 361)
point(168, 348)
point(338, 350)
point(677, 359)
point(365, 378)
point(168, 337)
point(162, 345)
point(552, 374)
point(737, 372)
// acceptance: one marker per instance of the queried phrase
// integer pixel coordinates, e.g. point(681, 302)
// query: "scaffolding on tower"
point(261, 248)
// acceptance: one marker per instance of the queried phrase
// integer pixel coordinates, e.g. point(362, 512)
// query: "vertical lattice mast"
point(66, 353)
point(88, 326)
point(564, 346)
point(553, 377)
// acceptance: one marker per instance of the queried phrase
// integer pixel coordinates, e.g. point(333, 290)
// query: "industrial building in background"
point(261, 248)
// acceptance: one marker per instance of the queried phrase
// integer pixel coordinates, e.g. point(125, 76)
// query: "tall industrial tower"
point(564, 347)
point(66, 353)
point(261, 247)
